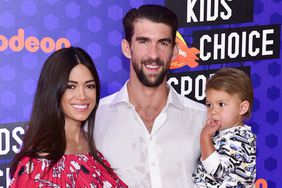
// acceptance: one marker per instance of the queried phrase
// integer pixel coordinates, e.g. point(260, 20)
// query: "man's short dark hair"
point(154, 13)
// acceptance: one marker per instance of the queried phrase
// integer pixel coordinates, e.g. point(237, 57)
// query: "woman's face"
point(79, 98)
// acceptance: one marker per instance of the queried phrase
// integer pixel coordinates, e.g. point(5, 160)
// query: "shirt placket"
point(154, 152)
point(153, 149)
point(153, 163)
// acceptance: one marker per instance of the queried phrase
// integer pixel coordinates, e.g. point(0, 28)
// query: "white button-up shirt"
point(164, 158)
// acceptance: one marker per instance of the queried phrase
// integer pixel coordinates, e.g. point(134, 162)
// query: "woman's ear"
point(244, 107)
point(126, 48)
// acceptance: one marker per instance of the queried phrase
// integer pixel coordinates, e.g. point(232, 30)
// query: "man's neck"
point(140, 95)
point(148, 102)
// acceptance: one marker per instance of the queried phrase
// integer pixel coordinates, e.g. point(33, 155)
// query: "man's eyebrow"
point(142, 38)
point(166, 40)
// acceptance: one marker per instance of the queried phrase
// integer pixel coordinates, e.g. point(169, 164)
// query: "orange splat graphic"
point(186, 56)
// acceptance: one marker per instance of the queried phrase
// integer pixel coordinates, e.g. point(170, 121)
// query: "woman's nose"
point(81, 94)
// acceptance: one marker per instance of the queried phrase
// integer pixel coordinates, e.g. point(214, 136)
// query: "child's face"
point(225, 109)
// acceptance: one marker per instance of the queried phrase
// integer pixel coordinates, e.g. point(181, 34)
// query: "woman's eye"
point(70, 86)
point(208, 105)
point(91, 86)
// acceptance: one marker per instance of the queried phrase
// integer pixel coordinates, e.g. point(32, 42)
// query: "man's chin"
point(151, 80)
point(151, 84)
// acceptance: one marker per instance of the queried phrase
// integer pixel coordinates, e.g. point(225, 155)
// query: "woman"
point(56, 150)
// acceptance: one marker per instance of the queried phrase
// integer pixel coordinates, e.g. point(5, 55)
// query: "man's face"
point(151, 51)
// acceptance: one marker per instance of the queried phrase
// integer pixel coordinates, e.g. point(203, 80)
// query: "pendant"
point(79, 147)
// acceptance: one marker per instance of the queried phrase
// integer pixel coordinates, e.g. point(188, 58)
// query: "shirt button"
point(153, 163)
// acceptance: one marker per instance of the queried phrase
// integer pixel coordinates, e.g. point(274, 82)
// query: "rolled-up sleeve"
point(211, 163)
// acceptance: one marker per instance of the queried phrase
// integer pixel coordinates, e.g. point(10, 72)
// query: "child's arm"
point(208, 131)
point(236, 159)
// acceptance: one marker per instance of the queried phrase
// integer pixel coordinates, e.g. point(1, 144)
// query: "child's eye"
point(208, 105)
point(221, 104)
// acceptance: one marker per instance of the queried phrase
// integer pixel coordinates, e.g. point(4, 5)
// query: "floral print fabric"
point(70, 171)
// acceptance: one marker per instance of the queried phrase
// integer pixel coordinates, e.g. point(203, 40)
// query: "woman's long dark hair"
point(46, 133)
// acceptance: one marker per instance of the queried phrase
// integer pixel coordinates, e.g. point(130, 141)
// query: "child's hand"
point(208, 131)
point(210, 128)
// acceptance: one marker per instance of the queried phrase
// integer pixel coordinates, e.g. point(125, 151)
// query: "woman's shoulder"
point(41, 165)
point(103, 159)
point(30, 166)
point(28, 171)
point(41, 171)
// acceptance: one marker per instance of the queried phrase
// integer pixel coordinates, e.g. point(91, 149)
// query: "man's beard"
point(143, 78)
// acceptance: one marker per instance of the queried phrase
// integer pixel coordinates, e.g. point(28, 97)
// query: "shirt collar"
point(121, 96)
point(172, 99)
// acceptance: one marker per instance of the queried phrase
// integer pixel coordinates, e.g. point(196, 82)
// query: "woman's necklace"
point(79, 147)
point(74, 144)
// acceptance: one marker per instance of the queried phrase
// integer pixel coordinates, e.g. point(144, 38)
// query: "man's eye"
point(142, 42)
point(164, 43)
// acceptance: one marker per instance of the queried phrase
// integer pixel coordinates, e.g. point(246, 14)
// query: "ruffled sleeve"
point(37, 173)
point(80, 170)
point(25, 175)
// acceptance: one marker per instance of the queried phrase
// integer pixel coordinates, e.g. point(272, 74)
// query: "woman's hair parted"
point(233, 81)
point(46, 133)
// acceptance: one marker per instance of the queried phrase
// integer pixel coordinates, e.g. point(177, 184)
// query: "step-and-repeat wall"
point(222, 33)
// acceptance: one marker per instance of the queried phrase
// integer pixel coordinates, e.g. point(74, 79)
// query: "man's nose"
point(153, 51)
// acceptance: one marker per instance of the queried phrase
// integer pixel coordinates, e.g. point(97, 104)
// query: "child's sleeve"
point(234, 160)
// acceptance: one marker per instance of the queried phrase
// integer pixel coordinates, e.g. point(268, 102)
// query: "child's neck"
point(238, 124)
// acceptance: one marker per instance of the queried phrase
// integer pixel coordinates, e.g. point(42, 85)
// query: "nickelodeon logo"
point(186, 56)
point(32, 44)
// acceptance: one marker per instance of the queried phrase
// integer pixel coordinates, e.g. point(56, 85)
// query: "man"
point(148, 132)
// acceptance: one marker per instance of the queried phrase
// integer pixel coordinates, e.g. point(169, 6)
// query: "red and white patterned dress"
point(70, 171)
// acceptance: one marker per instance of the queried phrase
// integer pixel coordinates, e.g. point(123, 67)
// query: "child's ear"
point(125, 46)
point(244, 107)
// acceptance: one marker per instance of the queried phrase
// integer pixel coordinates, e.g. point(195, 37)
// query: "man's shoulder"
point(107, 99)
point(189, 103)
